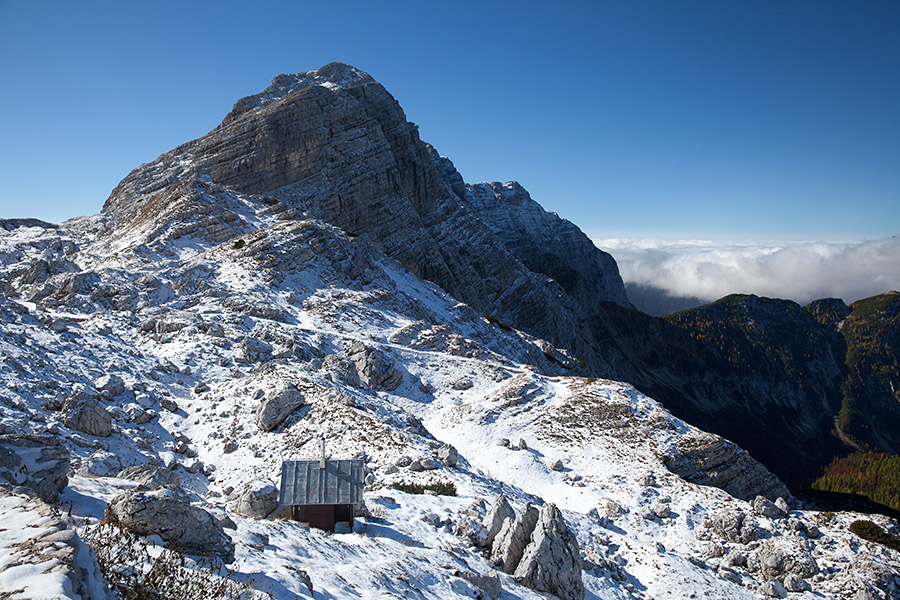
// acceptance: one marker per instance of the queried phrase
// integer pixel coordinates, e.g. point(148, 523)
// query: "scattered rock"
point(661, 509)
point(489, 583)
point(278, 404)
point(734, 526)
point(552, 561)
point(256, 499)
point(781, 503)
point(375, 370)
point(200, 388)
point(462, 384)
point(251, 350)
point(503, 442)
point(469, 528)
point(88, 416)
point(39, 462)
point(150, 477)
point(168, 513)
point(169, 404)
point(101, 464)
point(765, 507)
point(522, 445)
point(448, 455)
point(784, 556)
point(557, 465)
point(110, 385)
point(795, 583)
point(773, 589)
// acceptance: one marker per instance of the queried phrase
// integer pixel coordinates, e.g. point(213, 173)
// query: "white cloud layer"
point(799, 271)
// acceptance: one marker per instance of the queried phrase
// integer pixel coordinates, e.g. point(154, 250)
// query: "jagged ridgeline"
point(333, 144)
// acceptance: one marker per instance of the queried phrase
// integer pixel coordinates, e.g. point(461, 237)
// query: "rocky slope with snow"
point(161, 359)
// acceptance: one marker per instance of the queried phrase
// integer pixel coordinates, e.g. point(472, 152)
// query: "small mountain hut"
point(322, 492)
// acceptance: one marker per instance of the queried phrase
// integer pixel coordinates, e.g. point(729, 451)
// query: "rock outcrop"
point(552, 561)
point(499, 513)
point(167, 512)
point(510, 543)
point(88, 416)
point(277, 405)
point(256, 499)
point(39, 462)
point(374, 369)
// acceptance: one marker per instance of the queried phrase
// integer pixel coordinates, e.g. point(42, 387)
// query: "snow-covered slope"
point(226, 304)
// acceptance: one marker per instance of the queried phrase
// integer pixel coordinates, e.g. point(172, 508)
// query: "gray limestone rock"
point(661, 509)
point(499, 513)
point(375, 369)
point(88, 416)
point(101, 464)
point(448, 455)
point(256, 499)
point(552, 561)
point(734, 526)
point(110, 385)
point(468, 527)
point(557, 465)
point(252, 350)
point(773, 589)
point(168, 513)
point(277, 405)
point(765, 507)
point(779, 557)
point(489, 583)
point(39, 462)
point(795, 583)
point(509, 544)
point(150, 477)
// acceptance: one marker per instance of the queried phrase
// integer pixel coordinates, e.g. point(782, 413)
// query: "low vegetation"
point(875, 475)
point(872, 532)
point(133, 573)
point(441, 488)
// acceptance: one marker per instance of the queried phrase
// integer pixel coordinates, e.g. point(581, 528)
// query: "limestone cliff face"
point(335, 144)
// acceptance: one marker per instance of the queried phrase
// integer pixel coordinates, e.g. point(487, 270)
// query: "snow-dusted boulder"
point(552, 561)
point(88, 416)
point(766, 508)
point(448, 455)
point(277, 405)
point(784, 556)
point(39, 462)
point(110, 386)
point(375, 370)
point(252, 350)
point(256, 499)
point(150, 477)
point(510, 543)
point(733, 526)
point(101, 464)
point(168, 513)
point(499, 513)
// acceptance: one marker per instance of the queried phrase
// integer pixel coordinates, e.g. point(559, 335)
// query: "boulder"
point(150, 477)
point(557, 465)
point(510, 543)
point(499, 513)
point(277, 405)
point(469, 528)
point(773, 589)
point(169, 404)
point(110, 385)
point(766, 508)
point(88, 416)
point(448, 455)
point(39, 462)
point(375, 370)
point(101, 464)
point(256, 499)
point(552, 561)
point(795, 583)
point(168, 513)
point(734, 526)
point(784, 556)
point(252, 350)
point(661, 509)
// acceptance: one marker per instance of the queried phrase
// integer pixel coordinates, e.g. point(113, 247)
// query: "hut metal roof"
point(304, 482)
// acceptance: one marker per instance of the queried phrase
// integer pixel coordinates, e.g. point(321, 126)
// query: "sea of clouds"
point(799, 271)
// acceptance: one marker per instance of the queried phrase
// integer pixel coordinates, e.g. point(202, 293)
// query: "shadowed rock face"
point(334, 143)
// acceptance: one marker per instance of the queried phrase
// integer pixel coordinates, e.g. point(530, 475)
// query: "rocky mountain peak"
point(333, 76)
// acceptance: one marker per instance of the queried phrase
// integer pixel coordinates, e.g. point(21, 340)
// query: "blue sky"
point(721, 120)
